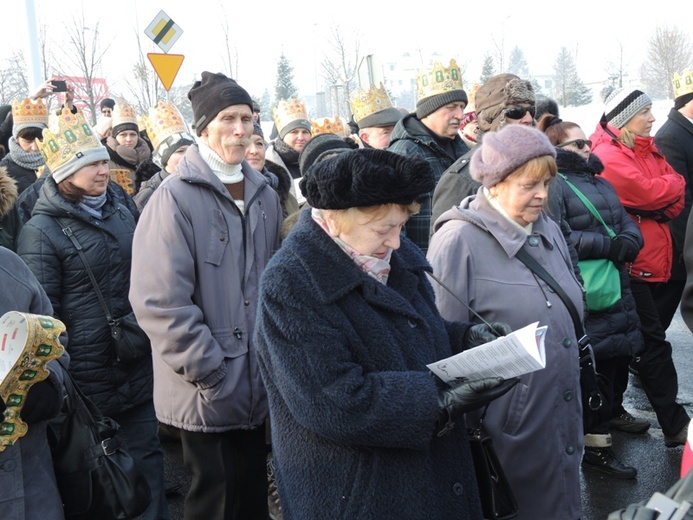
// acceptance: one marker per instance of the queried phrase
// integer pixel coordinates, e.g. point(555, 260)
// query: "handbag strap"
point(67, 230)
point(589, 205)
point(534, 266)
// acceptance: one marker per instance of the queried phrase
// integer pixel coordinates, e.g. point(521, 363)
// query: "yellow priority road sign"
point(166, 67)
point(163, 31)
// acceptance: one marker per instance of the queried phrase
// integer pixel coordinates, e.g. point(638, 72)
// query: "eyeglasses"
point(580, 143)
point(518, 112)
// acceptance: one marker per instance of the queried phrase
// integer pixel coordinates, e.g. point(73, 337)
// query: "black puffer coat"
point(107, 244)
point(615, 331)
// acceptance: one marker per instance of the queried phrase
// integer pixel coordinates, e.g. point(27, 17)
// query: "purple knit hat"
point(503, 152)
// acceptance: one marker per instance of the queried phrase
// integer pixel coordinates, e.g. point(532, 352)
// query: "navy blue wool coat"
point(352, 404)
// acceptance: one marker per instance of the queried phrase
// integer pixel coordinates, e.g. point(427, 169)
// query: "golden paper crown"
point(364, 103)
point(438, 80)
point(288, 111)
point(683, 84)
point(26, 113)
point(329, 125)
point(164, 120)
point(123, 113)
point(70, 137)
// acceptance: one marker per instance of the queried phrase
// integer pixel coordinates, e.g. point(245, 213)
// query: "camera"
point(59, 85)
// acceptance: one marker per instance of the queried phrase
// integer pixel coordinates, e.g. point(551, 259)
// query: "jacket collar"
point(333, 274)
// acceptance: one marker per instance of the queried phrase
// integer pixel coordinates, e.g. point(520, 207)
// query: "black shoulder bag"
point(498, 501)
point(129, 341)
point(96, 475)
point(593, 386)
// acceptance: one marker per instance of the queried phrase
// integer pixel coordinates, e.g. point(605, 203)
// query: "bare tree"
point(84, 55)
point(146, 90)
point(340, 66)
point(13, 80)
point(616, 70)
point(669, 51)
point(230, 57)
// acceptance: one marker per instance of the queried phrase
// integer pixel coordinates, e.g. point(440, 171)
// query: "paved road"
point(657, 465)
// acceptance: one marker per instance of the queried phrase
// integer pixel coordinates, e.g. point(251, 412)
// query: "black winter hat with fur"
point(321, 145)
point(366, 177)
point(212, 94)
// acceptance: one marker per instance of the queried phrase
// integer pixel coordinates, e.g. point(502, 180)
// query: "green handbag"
point(600, 276)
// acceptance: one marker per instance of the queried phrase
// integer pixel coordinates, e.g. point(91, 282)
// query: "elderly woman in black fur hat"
point(347, 323)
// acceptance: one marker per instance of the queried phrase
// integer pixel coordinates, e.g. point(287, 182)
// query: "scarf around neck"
point(378, 268)
point(28, 160)
point(93, 205)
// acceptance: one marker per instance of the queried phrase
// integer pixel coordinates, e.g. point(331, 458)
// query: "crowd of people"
point(294, 291)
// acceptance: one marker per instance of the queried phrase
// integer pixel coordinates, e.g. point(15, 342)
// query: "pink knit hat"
point(503, 152)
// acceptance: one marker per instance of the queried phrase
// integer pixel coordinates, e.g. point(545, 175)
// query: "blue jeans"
point(139, 426)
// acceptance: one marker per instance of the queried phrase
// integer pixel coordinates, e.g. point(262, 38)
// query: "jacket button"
point(567, 342)
point(533, 241)
point(568, 396)
point(222, 238)
point(570, 449)
point(246, 303)
point(411, 323)
point(9, 466)
point(458, 488)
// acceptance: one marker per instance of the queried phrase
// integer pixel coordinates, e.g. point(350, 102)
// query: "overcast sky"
point(261, 30)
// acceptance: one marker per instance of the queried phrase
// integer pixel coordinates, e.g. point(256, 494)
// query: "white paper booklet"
point(509, 356)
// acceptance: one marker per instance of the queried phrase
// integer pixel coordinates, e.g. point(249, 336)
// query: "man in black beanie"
point(198, 253)
point(431, 133)
point(675, 140)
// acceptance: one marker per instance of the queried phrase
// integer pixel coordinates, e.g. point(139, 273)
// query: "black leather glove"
point(622, 250)
point(481, 333)
point(469, 395)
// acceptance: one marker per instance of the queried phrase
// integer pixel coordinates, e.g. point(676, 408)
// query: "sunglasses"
point(580, 143)
point(519, 112)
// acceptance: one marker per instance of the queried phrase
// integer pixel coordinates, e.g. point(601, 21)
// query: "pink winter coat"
point(652, 193)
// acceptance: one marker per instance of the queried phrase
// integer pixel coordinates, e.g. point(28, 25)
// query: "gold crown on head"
point(328, 125)
point(471, 94)
point(27, 113)
point(438, 80)
point(70, 138)
point(683, 83)
point(364, 103)
point(164, 120)
point(124, 113)
point(288, 111)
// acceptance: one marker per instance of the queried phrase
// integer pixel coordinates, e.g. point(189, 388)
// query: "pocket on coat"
point(518, 402)
point(218, 237)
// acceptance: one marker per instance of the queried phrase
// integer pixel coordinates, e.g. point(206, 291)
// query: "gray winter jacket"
point(197, 262)
point(28, 490)
point(536, 427)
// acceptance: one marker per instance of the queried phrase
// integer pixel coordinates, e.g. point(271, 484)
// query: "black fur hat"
point(322, 144)
point(366, 177)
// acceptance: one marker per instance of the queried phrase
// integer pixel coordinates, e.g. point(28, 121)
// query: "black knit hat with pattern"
point(428, 105)
point(366, 177)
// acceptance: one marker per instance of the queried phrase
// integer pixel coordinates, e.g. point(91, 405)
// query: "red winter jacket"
point(650, 190)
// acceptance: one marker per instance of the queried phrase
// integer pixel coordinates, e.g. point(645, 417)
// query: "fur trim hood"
point(8, 192)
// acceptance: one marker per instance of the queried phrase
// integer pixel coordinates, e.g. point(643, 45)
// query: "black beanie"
point(124, 126)
point(320, 144)
point(212, 94)
point(680, 101)
point(171, 144)
point(366, 177)
point(107, 102)
point(430, 104)
point(257, 130)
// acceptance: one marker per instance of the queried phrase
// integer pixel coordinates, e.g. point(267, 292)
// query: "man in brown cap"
point(198, 253)
point(504, 99)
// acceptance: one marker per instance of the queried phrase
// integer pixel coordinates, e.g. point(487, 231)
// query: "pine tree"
point(285, 88)
point(487, 69)
point(518, 64)
point(569, 90)
point(265, 107)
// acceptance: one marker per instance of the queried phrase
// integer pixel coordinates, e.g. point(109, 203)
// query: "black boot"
point(604, 461)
